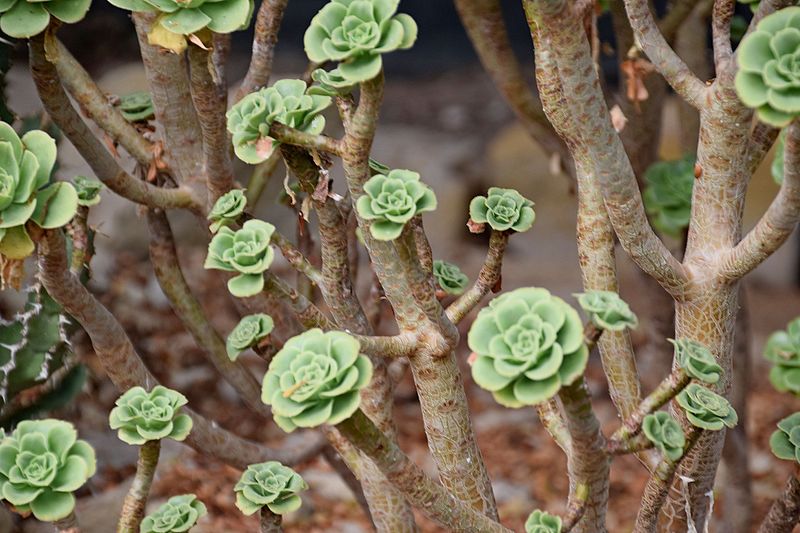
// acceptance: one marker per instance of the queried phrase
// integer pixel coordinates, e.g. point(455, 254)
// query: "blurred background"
point(443, 118)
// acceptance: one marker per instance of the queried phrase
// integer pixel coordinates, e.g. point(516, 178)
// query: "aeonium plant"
point(607, 310)
point(227, 209)
point(287, 102)
point(315, 379)
point(25, 196)
point(449, 277)
point(355, 33)
point(668, 194)
point(502, 210)
point(783, 351)
point(769, 68)
point(697, 360)
point(26, 18)
point(137, 107)
point(248, 332)
point(706, 409)
point(141, 416)
point(542, 522)
point(528, 344)
point(247, 252)
point(785, 441)
point(665, 433)
point(178, 514)
point(88, 190)
point(42, 462)
point(269, 484)
point(391, 200)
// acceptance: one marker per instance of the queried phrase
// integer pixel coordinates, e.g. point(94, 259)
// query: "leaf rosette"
point(227, 209)
point(246, 251)
point(88, 190)
point(391, 200)
point(248, 332)
point(42, 462)
point(26, 18)
point(176, 515)
point(529, 344)
point(542, 522)
point(503, 210)
point(783, 351)
point(355, 33)
point(607, 310)
point(706, 409)
point(697, 360)
point(668, 194)
point(449, 277)
point(271, 484)
point(769, 68)
point(315, 379)
point(665, 433)
point(25, 167)
point(785, 441)
point(184, 17)
point(141, 416)
point(137, 107)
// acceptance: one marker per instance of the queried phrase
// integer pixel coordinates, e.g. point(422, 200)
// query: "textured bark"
point(268, 22)
point(270, 522)
point(785, 512)
point(133, 506)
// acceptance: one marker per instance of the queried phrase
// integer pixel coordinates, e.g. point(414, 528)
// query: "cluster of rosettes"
point(178, 514)
point(503, 210)
point(607, 310)
point(668, 194)
point(697, 360)
point(542, 522)
point(783, 351)
point(706, 409)
point(88, 190)
point(665, 433)
point(315, 379)
point(287, 102)
point(227, 209)
point(245, 251)
point(248, 332)
point(25, 167)
point(180, 18)
point(271, 484)
point(528, 344)
point(141, 416)
point(137, 107)
point(355, 33)
point(449, 277)
point(41, 464)
point(785, 442)
point(769, 68)
point(26, 18)
point(391, 200)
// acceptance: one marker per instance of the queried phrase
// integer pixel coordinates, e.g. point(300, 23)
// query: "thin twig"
point(268, 22)
point(136, 499)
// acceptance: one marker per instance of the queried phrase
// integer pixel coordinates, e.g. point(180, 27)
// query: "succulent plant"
point(246, 251)
point(137, 107)
point(607, 310)
point(355, 33)
point(178, 514)
point(542, 522)
point(665, 433)
point(330, 83)
point(227, 209)
point(25, 167)
point(785, 442)
point(287, 102)
point(697, 360)
point(271, 484)
point(705, 408)
point(769, 68)
point(41, 464)
point(668, 194)
point(315, 379)
point(390, 200)
point(529, 344)
point(247, 333)
point(88, 190)
point(776, 169)
point(503, 210)
point(26, 18)
point(141, 416)
point(449, 277)
point(783, 351)
point(184, 18)
point(752, 4)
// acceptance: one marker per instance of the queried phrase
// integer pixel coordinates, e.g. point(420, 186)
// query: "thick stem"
point(420, 490)
point(136, 500)
point(270, 522)
point(785, 512)
point(488, 278)
point(68, 524)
